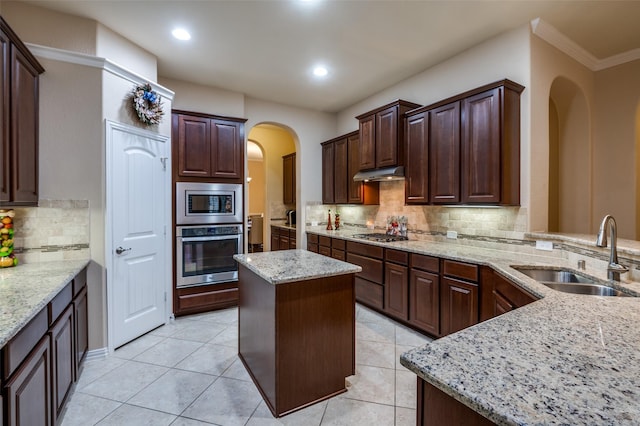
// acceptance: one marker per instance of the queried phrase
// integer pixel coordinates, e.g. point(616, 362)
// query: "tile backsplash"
point(468, 222)
point(56, 230)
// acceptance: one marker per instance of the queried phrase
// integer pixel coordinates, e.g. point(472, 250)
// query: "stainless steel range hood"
point(387, 173)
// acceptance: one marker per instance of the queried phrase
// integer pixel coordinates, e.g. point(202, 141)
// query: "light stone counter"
point(564, 359)
point(283, 266)
point(27, 288)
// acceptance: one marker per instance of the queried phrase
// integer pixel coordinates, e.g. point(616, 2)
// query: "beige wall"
point(205, 99)
point(615, 167)
point(257, 187)
point(46, 28)
point(118, 49)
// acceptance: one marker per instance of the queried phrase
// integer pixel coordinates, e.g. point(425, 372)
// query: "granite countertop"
point(284, 226)
point(283, 266)
point(564, 359)
point(27, 288)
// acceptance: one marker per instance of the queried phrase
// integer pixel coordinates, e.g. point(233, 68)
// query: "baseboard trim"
point(97, 354)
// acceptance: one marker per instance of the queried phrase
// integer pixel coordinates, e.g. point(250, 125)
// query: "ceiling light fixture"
point(181, 34)
point(320, 71)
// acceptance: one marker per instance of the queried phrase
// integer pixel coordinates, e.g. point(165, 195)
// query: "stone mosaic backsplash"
point(56, 230)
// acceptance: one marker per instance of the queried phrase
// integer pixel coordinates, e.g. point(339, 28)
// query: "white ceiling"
point(266, 48)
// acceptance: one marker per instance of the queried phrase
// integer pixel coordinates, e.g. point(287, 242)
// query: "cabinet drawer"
point(372, 269)
point(339, 244)
point(338, 254)
point(324, 250)
point(426, 263)
point(396, 256)
point(365, 249)
point(369, 293)
point(324, 241)
point(312, 247)
point(312, 238)
point(465, 271)
point(79, 282)
point(19, 347)
point(60, 303)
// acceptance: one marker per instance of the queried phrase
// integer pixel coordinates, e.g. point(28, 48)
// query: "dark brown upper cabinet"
point(466, 149)
point(340, 162)
point(289, 178)
point(209, 147)
point(19, 87)
point(382, 135)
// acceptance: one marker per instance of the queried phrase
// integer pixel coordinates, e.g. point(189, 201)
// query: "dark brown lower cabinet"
point(396, 290)
point(192, 300)
point(28, 393)
point(424, 301)
point(81, 318)
point(458, 305)
point(499, 295)
point(62, 360)
point(436, 408)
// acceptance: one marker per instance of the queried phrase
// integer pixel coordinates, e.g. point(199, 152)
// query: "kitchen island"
point(296, 328)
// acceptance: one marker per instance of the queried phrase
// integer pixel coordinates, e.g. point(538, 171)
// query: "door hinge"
point(165, 296)
point(165, 231)
point(163, 160)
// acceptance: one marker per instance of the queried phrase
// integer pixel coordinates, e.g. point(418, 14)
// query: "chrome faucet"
point(614, 269)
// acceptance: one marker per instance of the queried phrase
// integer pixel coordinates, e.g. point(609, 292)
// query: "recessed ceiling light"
point(181, 34)
point(320, 71)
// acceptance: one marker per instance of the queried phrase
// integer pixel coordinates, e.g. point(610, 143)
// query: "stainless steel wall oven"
point(204, 254)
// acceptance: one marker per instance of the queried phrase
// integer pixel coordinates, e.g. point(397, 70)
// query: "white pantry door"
point(138, 207)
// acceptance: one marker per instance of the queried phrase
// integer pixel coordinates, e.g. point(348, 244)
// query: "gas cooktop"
point(381, 237)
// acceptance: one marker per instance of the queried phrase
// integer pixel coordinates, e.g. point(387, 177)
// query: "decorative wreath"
point(147, 104)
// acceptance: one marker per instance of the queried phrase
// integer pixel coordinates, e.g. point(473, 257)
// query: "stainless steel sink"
point(570, 282)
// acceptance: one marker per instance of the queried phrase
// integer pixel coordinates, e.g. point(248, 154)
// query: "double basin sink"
point(569, 282)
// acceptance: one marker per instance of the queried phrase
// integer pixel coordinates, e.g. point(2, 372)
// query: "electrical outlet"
point(314, 223)
point(452, 235)
point(544, 245)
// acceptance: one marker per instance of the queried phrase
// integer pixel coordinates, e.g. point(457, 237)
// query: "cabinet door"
point(367, 143)
point(424, 301)
point(275, 238)
point(458, 305)
point(227, 149)
point(29, 391)
point(341, 172)
point(444, 154)
point(388, 151)
point(5, 106)
point(355, 188)
point(62, 360)
point(396, 290)
point(81, 331)
point(284, 240)
point(194, 146)
point(480, 148)
point(24, 129)
point(289, 179)
point(328, 191)
point(417, 161)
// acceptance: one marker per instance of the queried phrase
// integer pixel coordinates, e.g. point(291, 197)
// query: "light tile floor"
point(187, 373)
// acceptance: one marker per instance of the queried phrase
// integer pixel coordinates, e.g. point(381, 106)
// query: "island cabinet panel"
point(444, 154)
point(436, 408)
point(424, 294)
point(499, 295)
point(396, 288)
point(417, 162)
point(297, 340)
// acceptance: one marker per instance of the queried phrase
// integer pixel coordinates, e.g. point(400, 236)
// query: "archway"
point(276, 141)
point(570, 200)
point(637, 169)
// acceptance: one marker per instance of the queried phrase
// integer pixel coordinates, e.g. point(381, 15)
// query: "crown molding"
point(551, 35)
point(104, 64)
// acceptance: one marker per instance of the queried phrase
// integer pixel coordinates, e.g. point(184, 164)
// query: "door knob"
point(121, 250)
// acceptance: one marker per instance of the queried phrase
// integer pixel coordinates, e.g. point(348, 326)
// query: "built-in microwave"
point(208, 203)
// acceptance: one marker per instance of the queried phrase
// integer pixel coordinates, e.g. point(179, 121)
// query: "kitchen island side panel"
point(257, 331)
point(315, 332)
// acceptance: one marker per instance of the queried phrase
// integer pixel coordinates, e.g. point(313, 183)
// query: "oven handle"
point(197, 239)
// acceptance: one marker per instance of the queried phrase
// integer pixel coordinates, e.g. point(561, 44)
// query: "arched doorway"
point(276, 142)
point(570, 200)
point(637, 168)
